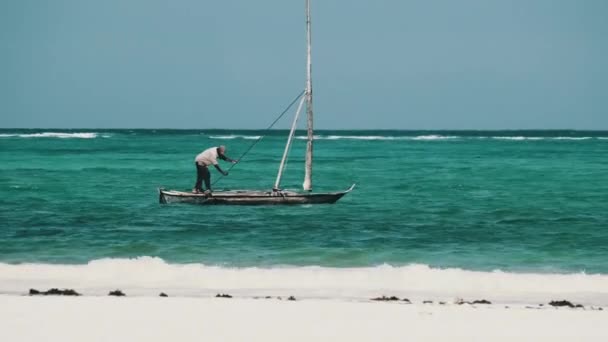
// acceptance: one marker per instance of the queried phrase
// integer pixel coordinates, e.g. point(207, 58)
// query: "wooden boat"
point(251, 197)
point(276, 195)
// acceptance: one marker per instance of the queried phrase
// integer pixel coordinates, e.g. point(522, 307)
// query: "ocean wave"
point(248, 137)
point(378, 137)
point(349, 137)
point(572, 138)
point(429, 137)
point(537, 138)
point(517, 138)
point(149, 275)
point(88, 135)
point(435, 137)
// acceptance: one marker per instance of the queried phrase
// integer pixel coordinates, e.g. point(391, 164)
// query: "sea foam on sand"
point(147, 276)
point(216, 319)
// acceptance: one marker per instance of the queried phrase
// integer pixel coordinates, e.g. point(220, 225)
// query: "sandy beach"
point(150, 319)
point(332, 304)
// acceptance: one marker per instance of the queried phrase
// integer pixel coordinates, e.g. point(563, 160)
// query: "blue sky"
point(420, 64)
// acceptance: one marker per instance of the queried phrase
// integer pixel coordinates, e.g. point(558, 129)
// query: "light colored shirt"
point(207, 157)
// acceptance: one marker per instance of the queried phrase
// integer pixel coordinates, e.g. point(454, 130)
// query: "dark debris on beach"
point(386, 299)
point(559, 303)
point(477, 301)
point(54, 292)
point(383, 298)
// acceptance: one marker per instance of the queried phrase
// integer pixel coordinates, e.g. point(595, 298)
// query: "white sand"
point(24, 318)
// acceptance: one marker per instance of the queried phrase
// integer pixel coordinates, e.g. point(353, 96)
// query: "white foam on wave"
point(571, 138)
point(517, 138)
point(350, 137)
point(378, 137)
point(537, 138)
point(432, 137)
point(435, 137)
point(87, 135)
point(248, 137)
point(149, 275)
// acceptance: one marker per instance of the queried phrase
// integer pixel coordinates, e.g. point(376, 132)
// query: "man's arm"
point(226, 158)
point(225, 173)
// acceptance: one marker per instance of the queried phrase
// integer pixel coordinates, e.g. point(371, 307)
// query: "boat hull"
point(250, 197)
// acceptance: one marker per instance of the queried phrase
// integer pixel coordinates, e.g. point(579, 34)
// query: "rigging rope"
point(286, 155)
point(262, 136)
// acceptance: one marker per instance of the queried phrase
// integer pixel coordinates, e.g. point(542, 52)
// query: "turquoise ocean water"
point(517, 201)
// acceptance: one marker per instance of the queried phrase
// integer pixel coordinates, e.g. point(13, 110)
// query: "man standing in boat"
point(207, 158)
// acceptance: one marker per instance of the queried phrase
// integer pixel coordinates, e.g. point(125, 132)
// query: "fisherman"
point(202, 161)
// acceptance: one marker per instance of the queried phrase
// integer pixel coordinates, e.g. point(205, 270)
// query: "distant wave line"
point(429, 137)
point(379, 137)
point(432, 137)
point(518, 138)
point(61, 135)
point(248, 137)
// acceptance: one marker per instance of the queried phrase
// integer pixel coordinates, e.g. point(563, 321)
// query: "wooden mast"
point(308, 95)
